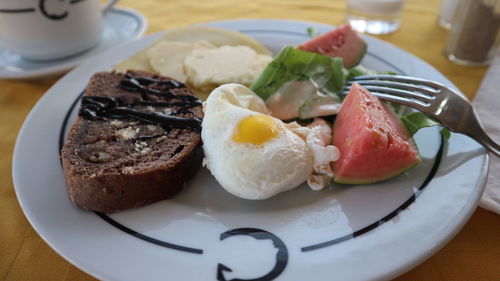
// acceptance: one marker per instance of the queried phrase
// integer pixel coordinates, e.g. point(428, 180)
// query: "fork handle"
point(471, 126)
point(475, 130)
point(487, 142)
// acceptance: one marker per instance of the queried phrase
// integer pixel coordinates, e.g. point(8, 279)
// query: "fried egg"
point(252, 154)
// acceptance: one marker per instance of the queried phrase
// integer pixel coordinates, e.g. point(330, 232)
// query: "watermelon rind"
point(374, 179)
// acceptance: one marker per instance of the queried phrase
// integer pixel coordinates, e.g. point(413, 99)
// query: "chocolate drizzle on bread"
point(106, 107)
point(136, 141)
point(140, 84)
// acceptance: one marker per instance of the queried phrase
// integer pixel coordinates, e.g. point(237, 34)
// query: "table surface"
point(474, 254)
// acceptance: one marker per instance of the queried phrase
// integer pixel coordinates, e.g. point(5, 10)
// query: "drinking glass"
point(446, 13)
point(374, 16)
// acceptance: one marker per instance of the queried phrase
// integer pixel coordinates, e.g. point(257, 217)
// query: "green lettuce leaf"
point(418, 120)
point(326, 73)
point(360, 70)
point(313, 32)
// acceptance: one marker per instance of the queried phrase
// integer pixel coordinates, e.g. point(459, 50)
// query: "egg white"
point(246, 170)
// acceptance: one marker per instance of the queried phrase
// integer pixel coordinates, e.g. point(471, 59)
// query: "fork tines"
point(401, 78)
point(400, 89)
point(452, 109)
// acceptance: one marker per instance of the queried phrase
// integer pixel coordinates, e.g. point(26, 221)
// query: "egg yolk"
point(256, 129)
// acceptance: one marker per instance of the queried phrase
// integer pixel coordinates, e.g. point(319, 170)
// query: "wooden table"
point(474, 254)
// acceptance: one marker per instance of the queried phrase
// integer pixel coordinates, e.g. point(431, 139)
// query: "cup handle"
point(106, 7)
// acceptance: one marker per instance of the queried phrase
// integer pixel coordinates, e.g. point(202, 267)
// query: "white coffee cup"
point(51, 29)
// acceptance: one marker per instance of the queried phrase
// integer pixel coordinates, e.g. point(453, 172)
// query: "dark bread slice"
point(114, 164)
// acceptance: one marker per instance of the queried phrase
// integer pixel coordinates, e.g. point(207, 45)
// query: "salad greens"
point(313, 32)
point(290, 64)
point(329, 77)
point(360, 70)
point(417, 120)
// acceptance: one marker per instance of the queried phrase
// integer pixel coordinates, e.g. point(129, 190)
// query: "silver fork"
point(434, 99)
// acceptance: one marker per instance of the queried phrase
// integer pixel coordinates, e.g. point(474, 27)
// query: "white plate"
point(365, 232)
point(121, 25)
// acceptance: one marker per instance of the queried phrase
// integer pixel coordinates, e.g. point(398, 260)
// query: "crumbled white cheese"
point(318, 138)
point(142, 147)
point(160, 139)
point(116, 123)
point(127, 133)
point(127, 170)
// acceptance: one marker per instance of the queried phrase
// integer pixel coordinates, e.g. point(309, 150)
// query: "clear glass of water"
point(374, 16)
point(446, 13)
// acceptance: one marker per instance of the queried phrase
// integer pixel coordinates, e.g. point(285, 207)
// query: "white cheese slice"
point(167, 57)
point(226, 64)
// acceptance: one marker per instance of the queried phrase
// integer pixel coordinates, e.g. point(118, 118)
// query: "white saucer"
point(122, 25)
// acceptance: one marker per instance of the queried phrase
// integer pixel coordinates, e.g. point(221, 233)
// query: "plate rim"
point(480, 184)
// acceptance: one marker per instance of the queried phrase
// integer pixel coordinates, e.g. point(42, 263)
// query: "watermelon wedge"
point(374, 144)
point(342, 42)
